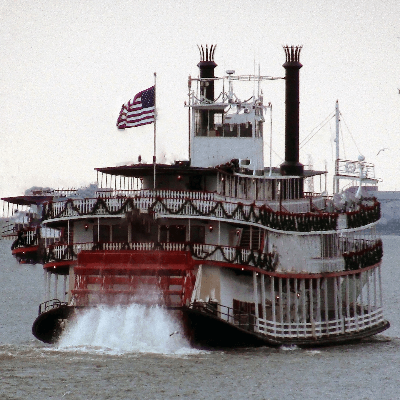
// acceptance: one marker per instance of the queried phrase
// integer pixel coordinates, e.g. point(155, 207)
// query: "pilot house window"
point(208, 123)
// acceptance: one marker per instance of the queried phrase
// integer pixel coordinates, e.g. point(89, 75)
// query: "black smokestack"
point(207, 66)
point(291, 166)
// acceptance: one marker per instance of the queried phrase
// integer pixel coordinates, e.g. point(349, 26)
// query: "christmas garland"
point(254, 258)
point(279, 220)
point(366, 257)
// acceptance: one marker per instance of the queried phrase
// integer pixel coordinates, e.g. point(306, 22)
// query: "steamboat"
point(239, 252)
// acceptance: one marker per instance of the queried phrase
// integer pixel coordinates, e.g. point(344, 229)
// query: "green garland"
point(263, 261)
point(353, 260)
point(284, 221)
point(363, 258)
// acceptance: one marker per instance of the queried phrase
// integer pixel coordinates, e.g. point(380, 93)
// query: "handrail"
point(50, 305)
point(244, 320)
point(206, 207)
point(26, 238)
point(300, 330)
point(355, 254)
point(229, 254)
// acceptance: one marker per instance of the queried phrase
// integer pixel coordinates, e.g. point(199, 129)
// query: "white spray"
point(121, 329)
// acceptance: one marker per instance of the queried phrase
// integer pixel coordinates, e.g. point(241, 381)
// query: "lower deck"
point(278, 308)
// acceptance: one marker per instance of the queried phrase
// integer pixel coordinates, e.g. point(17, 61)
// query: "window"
point(246, 130)
point(329, 246)
point(173, 233)
point(197, 234)
point(163, 233)
point(177, 233)
point(195, 182)
point(230, 130)
point(120, 233)
point(101, 233)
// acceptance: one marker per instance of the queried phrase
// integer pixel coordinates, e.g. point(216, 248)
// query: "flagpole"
point(155, 130)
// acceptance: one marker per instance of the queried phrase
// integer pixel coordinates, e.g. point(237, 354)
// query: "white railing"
point(205, 205)
point(349, 244)
point(200, 251)
point(171, 194)
point(30, 237)
point(358, 322)
point(208, 206)
point(300, 330)
point(318, 265)
point(295, 330)
point(204, 201)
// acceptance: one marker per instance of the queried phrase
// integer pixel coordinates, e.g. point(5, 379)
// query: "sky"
point(68, 66)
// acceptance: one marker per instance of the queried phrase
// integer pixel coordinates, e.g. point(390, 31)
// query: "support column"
point(318, 300)
point(340, 301)
point(368, 295)
point(48, 285)
point(335, 296)
point(288, 305)
point(45, 285)
point(64, 296)
point(303, 303)
point(296, 305)
point(355, 299)
point(255, 294)
point(326, 304)
point(55, 286)
point(361, 296)
point(264, 309)
point(347, 297)
point(380, 286)
point(311, 297)
point(273, 303)
point(375, 291)
point(281, 302)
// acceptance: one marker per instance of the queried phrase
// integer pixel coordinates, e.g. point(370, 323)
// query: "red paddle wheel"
point(129, 276)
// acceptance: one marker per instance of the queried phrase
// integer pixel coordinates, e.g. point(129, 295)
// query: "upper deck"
point(303, 216)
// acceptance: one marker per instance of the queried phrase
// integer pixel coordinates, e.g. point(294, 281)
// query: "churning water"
point(122, 329)
point(138, 352)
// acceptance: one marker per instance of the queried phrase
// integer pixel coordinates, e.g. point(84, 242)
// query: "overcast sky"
point(67, 67)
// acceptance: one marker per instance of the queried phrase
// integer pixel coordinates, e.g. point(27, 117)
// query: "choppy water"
point(133, 353)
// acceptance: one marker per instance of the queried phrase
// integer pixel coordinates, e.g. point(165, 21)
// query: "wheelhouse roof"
point(141, 170)
point(27, 200)
point(183, 167)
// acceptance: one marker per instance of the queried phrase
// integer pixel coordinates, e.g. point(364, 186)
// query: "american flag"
point(139, 111)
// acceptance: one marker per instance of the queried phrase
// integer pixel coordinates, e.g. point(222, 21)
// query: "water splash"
point(122, 329)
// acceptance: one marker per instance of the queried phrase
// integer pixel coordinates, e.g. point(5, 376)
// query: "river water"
point(139, 354)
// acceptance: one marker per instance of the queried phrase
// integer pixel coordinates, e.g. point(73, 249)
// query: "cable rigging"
point(316, 130)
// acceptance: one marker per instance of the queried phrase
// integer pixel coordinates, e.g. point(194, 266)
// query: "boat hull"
point(208, 330)
point(49, 325)
point(27, 255)
point(204, 330)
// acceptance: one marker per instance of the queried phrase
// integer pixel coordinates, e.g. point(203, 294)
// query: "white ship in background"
point(240, 253)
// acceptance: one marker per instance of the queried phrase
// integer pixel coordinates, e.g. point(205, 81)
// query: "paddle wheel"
point(122, 277)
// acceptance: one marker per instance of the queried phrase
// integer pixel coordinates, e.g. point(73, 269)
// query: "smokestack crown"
point(292, 56)
point(207, 66)
point(207, 55)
